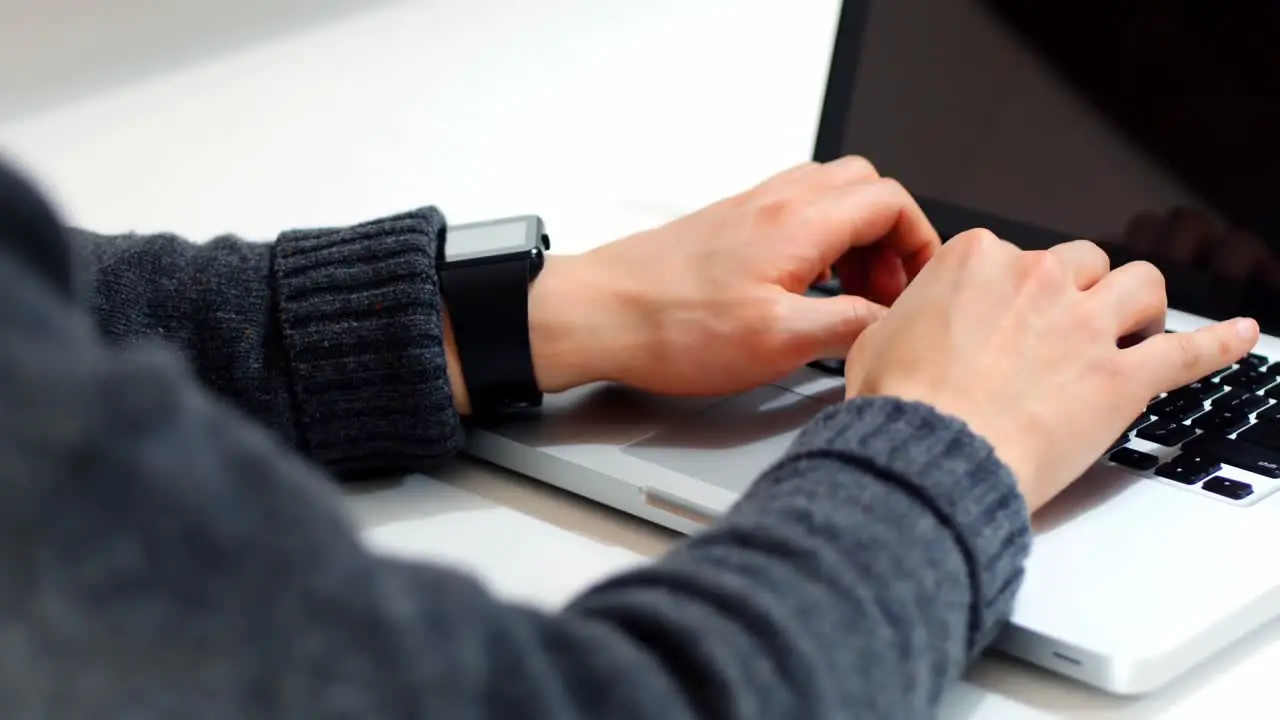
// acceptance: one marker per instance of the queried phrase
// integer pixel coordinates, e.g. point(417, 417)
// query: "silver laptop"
point(1147, 126)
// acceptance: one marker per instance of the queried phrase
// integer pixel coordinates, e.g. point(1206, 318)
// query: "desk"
point(605, 116)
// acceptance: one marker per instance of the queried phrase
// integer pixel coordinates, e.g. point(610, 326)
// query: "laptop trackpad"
point(733, 441)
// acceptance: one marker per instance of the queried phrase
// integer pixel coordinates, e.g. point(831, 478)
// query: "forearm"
point(203, 568)
point(332, 337)
point(367, 318)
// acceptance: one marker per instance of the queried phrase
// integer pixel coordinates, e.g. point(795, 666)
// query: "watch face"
point(487, 239)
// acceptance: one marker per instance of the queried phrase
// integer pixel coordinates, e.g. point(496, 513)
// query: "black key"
point(1253, 403)
point(1117, 444)
point(1135, 459)
point(1221, 421)
point(1228, 488)
point(1229, 398)
point(1273, 392)
point(1198, 391)
point(1272, 369)
point(1264, 432)
point(1243, 455)
point(1174, 409)
point(1145, 419)
point(1188, 469)
point(831, 367)
point(1270, 413)
point(1166, 433)
point(1239, 400)
point(1245, 379)
point(1253, 361)
point(1219, 373)
point(1249, 404)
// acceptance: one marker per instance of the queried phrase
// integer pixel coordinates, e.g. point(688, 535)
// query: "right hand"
point(1023, 346)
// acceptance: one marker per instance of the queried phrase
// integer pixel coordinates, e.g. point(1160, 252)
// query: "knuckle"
point(1042, 267)
point(1189, 351)
point(1094, 249)
point(767, 325)
point(974, 242)
point(1149, 274)
point(893, 185)
point(855, 167)
point(1220, 349)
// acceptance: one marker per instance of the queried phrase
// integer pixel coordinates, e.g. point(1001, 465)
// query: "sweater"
point(175, 423)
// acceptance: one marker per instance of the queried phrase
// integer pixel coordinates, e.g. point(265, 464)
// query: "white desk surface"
point(604, 116)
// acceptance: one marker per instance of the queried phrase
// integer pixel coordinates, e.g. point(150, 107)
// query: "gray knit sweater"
point(172, 542)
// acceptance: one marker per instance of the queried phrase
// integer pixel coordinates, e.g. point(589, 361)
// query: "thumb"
point(827, 327)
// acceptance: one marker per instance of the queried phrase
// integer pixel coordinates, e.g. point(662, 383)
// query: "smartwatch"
point(485, 270)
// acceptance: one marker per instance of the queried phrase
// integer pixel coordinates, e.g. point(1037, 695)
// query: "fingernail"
point(1246, 327)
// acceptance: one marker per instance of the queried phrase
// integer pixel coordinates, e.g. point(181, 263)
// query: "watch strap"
point(489, 311)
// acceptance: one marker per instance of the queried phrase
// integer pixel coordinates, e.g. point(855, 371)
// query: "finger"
point(848, 170)
point(813, 177)
point(825, 327)
point(1086, 262)
point(1134, 294)
point(879, 211)
point(1171, 360)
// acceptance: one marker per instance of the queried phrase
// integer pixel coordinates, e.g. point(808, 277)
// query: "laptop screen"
point(1152, 127)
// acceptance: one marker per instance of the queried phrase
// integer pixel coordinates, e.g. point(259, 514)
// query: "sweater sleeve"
point(331, 337)
point(164, 556)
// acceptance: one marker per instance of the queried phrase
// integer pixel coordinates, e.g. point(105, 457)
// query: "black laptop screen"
point(1151, 126)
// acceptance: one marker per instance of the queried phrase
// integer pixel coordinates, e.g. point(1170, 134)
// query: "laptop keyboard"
point(1218, 436)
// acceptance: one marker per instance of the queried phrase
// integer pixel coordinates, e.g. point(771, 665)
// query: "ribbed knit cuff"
point(360, 312)
point(946, 468)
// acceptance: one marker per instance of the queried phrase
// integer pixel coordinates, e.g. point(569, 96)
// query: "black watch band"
point(488, 304)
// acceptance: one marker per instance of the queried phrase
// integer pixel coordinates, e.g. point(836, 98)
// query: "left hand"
point(713, 302)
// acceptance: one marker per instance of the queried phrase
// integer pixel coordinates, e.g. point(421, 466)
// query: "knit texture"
point(332, 337)
point(167, 555)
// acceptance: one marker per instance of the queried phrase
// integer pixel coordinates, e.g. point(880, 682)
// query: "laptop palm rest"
point(757, 427)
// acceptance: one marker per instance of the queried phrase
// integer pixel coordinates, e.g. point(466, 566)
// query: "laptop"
point(1149, 127)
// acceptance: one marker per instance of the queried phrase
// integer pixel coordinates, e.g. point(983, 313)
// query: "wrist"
point(578, 329)
point(453, 365)
point(576, 324)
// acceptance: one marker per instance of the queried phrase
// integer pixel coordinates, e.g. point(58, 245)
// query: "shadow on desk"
point(403, 499)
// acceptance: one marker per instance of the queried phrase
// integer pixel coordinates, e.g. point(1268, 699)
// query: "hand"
point(1023, 346)
point(712, 303)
